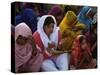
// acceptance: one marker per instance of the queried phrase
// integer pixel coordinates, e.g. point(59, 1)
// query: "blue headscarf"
point(29, 17)
point(83, 18)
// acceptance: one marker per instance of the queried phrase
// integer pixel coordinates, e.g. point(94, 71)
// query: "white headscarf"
point(53, 36)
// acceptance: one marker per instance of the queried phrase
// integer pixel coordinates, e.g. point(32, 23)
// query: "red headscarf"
point(76, 51)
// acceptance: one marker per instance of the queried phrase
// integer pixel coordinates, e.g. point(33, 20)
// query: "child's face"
point(49, 29)
point(21, 40)
point(84, 44)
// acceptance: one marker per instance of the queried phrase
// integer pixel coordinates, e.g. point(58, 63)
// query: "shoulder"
point(38, 40)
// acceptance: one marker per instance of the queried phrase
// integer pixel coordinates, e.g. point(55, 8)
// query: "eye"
point(20, 37)
point(25, 38)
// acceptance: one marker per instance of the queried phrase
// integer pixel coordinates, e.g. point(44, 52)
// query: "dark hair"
point(81, 39)
point(48, 21)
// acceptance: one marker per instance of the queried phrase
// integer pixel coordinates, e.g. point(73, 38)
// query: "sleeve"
point(59, 40)
point(74, 59)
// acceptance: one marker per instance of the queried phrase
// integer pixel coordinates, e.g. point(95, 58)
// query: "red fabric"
point(38, 42)
point(76, 55)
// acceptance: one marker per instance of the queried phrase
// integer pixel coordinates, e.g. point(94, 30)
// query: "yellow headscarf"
point(68, 20)
point(68, 35)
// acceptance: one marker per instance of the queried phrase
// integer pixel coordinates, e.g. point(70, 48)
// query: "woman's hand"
point(51, 45)
point(30, 39)
point(32, 42)
point(48, 52)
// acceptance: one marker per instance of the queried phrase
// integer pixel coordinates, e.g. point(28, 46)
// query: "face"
point(48, 29)
point(83, 44)
point(21, 40)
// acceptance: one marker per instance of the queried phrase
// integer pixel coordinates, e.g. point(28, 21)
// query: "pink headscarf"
point(24, 56)
point(22, 53)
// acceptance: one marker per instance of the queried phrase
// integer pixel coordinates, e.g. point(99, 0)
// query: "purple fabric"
point(29, 17)
point(25, 59)
point(55, 10)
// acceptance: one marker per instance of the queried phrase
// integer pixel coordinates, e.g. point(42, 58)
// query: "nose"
point(51, 30)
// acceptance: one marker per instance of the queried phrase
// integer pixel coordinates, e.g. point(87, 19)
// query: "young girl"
point(81, 57)
point(27, 59)
point(48, 41)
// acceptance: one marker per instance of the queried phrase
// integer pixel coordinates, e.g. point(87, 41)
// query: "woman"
point(81, 57)
point(70, 28)
point(48, 41)
point(29, 17)
point(27, 58)
point(57, 12)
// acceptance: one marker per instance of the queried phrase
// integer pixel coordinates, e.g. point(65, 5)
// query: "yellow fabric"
point(68, 34)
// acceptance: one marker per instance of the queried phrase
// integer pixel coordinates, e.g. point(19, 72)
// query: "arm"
point(56, 52)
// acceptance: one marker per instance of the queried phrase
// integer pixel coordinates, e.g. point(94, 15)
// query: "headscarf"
point(68, 34)
point(82, 16)
point(56, 11)
point(76, 54)
point(43, 36)
point(29, 17)
point(22, 53)
point(69, 19)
